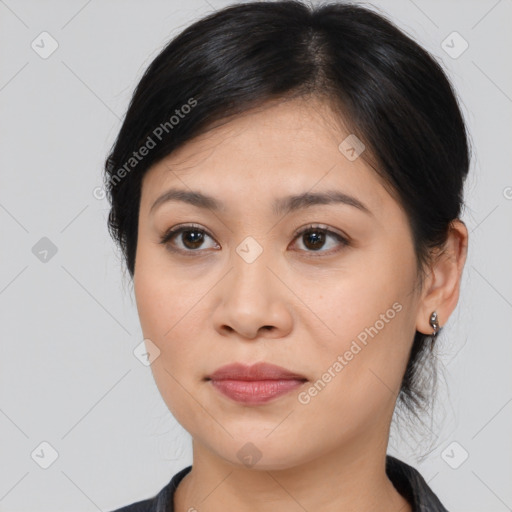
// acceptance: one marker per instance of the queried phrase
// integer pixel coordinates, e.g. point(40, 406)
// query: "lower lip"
point(255, 391)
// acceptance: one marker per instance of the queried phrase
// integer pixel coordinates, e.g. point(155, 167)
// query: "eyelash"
point(173, 232)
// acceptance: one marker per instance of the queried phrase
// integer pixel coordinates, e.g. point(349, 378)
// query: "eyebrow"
point(281, 206)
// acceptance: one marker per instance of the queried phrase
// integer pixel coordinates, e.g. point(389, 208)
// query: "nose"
point(251, 302)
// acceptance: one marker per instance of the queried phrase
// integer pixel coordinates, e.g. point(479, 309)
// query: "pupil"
point(195, 241)
point(317, 238)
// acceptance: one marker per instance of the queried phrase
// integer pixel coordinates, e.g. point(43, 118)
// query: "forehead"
point(283, 148)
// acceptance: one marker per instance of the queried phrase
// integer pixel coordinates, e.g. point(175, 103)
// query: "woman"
point(286, 189)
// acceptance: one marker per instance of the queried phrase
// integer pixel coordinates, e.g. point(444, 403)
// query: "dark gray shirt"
point(407, 481)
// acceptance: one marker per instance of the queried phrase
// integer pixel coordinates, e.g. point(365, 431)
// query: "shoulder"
point(161, 502)
point(140, 506)
point(412, 486)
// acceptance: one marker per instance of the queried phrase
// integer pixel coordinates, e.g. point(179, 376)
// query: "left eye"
point(313, 238)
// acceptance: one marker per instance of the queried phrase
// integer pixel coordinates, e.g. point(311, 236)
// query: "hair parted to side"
point(385, 88)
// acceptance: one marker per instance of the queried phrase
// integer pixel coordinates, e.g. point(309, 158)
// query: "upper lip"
point(258, 371)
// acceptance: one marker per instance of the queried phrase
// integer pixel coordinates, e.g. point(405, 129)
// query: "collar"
point(406, 479)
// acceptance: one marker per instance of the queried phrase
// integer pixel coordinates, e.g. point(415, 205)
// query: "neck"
point(351, 479)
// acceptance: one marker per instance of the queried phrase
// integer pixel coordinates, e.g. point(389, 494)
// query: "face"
point(325, 289)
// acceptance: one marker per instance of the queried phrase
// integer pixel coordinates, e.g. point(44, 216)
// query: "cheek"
point(371, 311)
point(172, 307)
point(352, 300)
point(162, 296)
point(169, 311)
point(168, 316)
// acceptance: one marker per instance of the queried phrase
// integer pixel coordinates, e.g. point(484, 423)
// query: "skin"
point(292, 306)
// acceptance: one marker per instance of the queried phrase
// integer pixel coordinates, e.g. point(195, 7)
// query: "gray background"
point(68, 376)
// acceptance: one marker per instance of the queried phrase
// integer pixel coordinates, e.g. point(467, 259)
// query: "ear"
point(442, 284)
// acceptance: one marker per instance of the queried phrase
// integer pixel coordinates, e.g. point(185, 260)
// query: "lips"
point(256, 384)
point(255, 372)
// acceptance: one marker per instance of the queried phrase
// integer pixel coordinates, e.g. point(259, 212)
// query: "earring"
point(434, 323)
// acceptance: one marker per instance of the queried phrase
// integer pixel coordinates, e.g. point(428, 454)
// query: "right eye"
point(190, 237)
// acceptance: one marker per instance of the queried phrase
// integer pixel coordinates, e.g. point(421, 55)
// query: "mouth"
point(256, 384)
